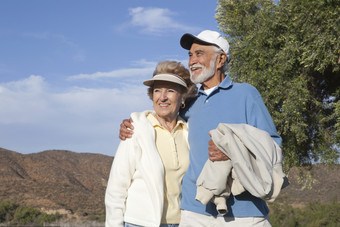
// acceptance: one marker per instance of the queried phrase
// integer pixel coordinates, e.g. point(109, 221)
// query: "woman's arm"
point(121, 174)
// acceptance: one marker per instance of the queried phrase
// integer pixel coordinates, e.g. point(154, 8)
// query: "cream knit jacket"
point(135, 190)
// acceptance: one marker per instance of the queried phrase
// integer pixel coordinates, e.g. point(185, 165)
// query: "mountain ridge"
point(55, 179)
point(75, 183)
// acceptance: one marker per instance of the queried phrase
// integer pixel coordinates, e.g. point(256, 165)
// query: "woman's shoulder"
point(140, 117)
point(140, 122)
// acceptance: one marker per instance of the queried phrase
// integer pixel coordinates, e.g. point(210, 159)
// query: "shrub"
point(47, 218)
point(314, 214)
point(14, 214)
point(6, 211)
point(25, 215)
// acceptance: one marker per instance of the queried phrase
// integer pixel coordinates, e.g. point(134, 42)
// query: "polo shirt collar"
point(226, 83)
point(155, 122)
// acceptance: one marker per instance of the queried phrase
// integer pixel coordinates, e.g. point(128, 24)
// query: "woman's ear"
point(183, 104)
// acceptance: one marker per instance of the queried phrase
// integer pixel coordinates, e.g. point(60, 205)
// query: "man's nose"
point(192, 60)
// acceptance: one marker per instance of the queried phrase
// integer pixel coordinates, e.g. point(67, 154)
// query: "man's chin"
point(195, 78)
point(199, 79)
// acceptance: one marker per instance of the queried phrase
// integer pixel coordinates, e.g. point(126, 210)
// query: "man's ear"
point(221, 59)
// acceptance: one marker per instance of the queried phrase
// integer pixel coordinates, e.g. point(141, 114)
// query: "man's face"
point(202, 62)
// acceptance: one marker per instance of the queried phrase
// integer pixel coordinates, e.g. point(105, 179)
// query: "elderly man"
point(219, 100)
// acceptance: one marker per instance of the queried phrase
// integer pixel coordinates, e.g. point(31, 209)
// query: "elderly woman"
point(144, 188)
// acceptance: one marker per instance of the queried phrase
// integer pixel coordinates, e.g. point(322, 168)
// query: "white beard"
point(206, 73)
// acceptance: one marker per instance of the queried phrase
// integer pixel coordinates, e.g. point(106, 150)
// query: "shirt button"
point(207, 100)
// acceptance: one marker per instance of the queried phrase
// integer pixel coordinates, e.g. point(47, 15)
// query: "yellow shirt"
point(173, 149)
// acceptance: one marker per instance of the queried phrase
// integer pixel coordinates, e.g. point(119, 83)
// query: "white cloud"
point(156, 21)
point(18, 97)
point(136, 74)
point(34, 118)
point(144, 71)
point(145, 63)
point(120, 73)
point(33, 84)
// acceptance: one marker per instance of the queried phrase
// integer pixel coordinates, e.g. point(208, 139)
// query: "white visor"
point(166, 77)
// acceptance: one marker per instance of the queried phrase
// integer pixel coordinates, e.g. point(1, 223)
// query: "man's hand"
point(215, 154)
point(126, 129)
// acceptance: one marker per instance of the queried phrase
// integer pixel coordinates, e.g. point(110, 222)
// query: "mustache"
point(196, 66)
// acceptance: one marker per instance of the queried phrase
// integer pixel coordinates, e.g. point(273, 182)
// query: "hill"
point(74, 183)
point(55, 180)
point(319, 182)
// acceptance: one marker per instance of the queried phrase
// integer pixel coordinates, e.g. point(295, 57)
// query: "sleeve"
point(122, 171)
point(259, 116)
point(212, 181)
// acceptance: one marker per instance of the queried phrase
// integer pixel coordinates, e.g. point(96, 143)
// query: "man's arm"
point(126, 129)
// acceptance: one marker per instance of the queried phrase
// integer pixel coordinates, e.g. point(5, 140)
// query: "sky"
point(71, 71)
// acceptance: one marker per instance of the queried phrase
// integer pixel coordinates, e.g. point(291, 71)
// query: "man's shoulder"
point(244, 89)
point(188, 104)
point(243, 86)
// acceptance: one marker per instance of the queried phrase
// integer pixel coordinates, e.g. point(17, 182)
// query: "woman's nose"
point(164, 95)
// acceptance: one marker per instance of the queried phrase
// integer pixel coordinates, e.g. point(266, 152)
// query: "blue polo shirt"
point(233, 103)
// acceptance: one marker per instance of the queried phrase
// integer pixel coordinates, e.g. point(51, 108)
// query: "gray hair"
point(225, 66)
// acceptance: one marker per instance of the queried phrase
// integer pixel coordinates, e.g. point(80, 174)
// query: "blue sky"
point(71, 70)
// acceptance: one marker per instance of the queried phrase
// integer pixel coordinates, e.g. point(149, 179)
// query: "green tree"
point(290, 52)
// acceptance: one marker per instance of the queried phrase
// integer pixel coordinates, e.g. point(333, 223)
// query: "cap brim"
point(188, 39)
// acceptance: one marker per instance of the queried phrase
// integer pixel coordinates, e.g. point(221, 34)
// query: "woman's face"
point(167, 99)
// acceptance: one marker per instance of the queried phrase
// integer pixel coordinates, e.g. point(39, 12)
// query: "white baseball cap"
point(166, 77)
point(206, 37)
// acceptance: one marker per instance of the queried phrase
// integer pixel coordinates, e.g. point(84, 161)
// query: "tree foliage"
point(290, 52)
